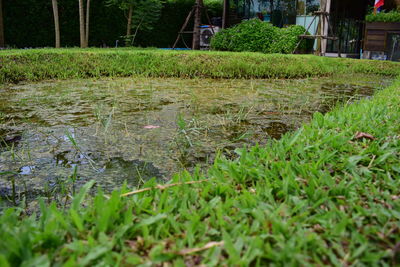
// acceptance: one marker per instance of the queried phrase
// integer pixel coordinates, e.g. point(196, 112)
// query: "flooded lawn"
point(55, 136)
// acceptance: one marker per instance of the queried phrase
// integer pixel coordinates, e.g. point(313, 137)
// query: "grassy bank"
point(320, 196)
point(41, 64)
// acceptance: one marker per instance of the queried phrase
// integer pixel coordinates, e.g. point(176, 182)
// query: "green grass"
point(318, 196)
point(41, 64)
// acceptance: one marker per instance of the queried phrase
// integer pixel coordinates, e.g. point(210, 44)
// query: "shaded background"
point(29, 23)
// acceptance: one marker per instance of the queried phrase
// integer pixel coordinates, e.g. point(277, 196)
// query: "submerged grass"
point(40, 64)
point(319, 196)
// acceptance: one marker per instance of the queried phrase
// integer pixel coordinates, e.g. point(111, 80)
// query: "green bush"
point(257, 36)
point(251, 35)
point(289, 38)
point(392, 16)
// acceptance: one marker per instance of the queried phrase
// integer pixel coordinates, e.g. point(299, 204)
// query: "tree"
point(87, 22)
point(84, 22)
point(141, 15)
point(1, 25)
point(56, 23)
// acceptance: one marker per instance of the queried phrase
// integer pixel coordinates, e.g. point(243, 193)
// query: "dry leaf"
point(162, 187)
point(252, 190)
point(361, 135)
point(207, 246)
point(151, 127)
point(318, 228)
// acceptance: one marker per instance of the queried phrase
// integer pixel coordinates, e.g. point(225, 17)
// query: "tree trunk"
point(87, 22)
point(129, 24)
point(225, 14)
point(2, 44)
point(56, 23)
point(82, 24)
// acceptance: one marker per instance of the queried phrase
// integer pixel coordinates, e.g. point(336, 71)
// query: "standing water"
point(59, 133)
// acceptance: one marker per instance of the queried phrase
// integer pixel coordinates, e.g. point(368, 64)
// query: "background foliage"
point(257, 36)
point(29, 23)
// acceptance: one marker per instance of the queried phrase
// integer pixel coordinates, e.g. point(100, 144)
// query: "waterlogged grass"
point(41, 64)
point(319, 196)
point(100, 127)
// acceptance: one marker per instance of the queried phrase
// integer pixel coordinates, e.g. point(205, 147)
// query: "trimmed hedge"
point(257, 36)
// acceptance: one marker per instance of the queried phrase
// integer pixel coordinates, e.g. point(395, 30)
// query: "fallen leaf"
point(207, 246)
point(361, 135)
point(318, 228)
point(151, 127)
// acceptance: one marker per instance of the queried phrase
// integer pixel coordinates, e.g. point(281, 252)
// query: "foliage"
point(252, 35)
point(214, 7)
point(29, 23)
point(173, 16)
point(145, 12)
point(318, 196)
point(40, 64)
point(257, 36)
point(391, 16)
point(289, 38)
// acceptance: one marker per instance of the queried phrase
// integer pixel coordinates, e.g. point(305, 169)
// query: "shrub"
point(289, 38)
point(252, 35)
point(257, 36)
point(392, 16)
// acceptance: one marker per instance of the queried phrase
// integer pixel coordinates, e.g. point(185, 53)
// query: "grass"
point(42, 64)
point(318, 196)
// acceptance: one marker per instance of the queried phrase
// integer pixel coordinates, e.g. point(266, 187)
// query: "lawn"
point(327, 194)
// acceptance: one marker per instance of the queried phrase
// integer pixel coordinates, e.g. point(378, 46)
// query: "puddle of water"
point(133, 129)
point(25, 170)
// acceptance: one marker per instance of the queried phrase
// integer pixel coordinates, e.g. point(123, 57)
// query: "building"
point(346, 19)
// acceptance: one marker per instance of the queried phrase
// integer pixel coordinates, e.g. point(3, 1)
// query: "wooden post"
point(225, 14)
point(326, 7)
point(196, 28)
point(183, 28)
